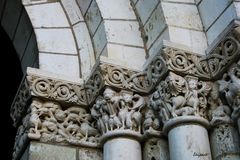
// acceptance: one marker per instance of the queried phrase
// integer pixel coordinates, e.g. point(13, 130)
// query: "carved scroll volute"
point(57, 90)
point(180, 96)
point(186, 63)
point(224, 54)
point(94, 85)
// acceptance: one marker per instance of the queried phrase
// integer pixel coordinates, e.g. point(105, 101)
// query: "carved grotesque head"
point(108, 93)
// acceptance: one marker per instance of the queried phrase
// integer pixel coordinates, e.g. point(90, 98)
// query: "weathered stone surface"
point(156, 149)
point(122, 149)
point(225, 142)
point(41, 151)
point(89, 154)
point(189, 141)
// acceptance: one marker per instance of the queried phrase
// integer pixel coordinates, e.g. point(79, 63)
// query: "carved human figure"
point(112, 107)
point(158, 104)
point(151, 123)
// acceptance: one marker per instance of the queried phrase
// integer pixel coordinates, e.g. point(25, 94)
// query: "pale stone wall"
point(217, 15)
point(15, 21)
point(128, 73)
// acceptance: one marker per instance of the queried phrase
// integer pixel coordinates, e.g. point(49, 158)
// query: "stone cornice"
point(122, 78)
point(56, 89)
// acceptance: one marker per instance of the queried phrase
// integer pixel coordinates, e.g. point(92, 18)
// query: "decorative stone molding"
point(209, 67)
point(58, 90)
point(186, 63)
point(18, 108)
point(50, 122)
point(119, 113)
point(122, 78)
point(226, 52)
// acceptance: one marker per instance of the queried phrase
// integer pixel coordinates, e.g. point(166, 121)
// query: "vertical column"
point(122, 148)
point(119, 117)
point(188, 138)
point(182, 109)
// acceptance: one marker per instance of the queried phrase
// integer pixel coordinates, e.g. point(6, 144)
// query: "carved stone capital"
point(179, 96)
point(119, 113)
point(122, 78)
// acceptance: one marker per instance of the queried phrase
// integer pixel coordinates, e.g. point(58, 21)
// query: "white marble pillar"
point(188, 138)
point(225, 143)
point(122, 148)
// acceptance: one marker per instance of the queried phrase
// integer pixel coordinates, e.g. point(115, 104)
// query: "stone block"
point(89, 154)
point(73, 11)
point(85, 48)
point(180, 1)
point(30, 54)
point(211, 10)
point(154, 26)
point(59, 64)
point(221, 23)
point(195, 40)
point(117, 9)
point(182, 15)
point(198, 1)
point(41, 151)
point(11, 16)
point(123, 32)
point(93, 17)
point(83, 38)
point(47, 15)
point(22, 35)
point(145, 9)
point(158, 44)
point(99, 39)
point(31, 2)
point(130, 57)
point(56, 40)
point(84, 4)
